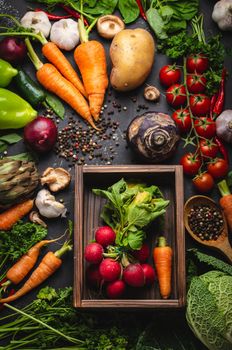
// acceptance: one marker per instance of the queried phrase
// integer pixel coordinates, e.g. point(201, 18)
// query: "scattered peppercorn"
point(206, 222)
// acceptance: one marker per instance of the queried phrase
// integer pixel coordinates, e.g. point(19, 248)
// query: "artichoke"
point(18, 180)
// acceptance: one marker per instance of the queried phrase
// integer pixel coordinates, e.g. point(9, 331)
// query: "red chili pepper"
point(218, 107)
point(222, 149)
point(212, 104)
point(51, 16)
point(141, 10)
point(74, 14)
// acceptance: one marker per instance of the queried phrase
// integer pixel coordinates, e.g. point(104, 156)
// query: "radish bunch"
point(114, 268)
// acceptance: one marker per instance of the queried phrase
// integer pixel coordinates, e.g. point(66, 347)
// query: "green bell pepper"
point(7, 72)
point(15, 112)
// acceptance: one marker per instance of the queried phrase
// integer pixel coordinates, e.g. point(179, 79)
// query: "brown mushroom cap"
point(56, 178)
point(109, 25)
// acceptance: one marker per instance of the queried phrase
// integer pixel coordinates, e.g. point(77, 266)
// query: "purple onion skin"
point(40, 134)
point(13, 50)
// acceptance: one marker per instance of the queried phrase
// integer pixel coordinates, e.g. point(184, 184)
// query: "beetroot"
point(93, 253)
point(142, 254)
point(133, 275)
point(93, 276)
point(105, 236)
point(149, 274)
point(115, 289)
point(110, 269)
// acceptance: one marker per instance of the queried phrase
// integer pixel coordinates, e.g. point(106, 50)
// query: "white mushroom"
point(56, 178)
point(151, 93)
point(38, 21)
point(109, 25)
point(34, 217)
point(48, 206)
point(65, 34)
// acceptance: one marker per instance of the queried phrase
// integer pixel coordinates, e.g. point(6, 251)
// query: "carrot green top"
point(224, 188)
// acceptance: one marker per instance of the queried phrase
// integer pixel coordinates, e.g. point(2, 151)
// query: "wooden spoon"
point(222, 242)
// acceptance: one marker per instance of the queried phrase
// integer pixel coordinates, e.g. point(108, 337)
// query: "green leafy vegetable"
point(10, 139)
point(17, 241)
point(23, 156)
point(169, 16)
point(209, 309)
point(129, 10)
point(130, 208)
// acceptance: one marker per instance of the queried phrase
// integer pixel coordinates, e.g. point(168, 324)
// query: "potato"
point(132, 54)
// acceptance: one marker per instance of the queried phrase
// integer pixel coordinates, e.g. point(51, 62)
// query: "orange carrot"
point(48, 265)
point(90, 58)
point(9, 217)
point(24, 265)
point(226, 202)
point(162, 255)
point(57, 58)
point(52, 80)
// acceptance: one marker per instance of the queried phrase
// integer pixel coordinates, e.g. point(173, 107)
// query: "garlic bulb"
point(65, 34)
point(222, 14)
point(38, 21)
point(48, 206)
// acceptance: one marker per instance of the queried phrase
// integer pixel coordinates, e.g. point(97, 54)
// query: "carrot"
point(24, 265)
point(226, 202)
point(91, 60)
point(162, 255)
point(57, 58)
point(9, 217)
point(52, 80)
point(48, 265)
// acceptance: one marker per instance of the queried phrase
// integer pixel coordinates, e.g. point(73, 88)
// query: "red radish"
point(93, 253)
point(149, 274)
point(105, 236)
point(133, 275)
point(115, 289)
point(110, 269)
point(93, 276)
point(143, 253)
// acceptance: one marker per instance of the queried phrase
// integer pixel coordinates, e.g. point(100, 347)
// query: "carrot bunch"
point(48, 265)
point(162, 255)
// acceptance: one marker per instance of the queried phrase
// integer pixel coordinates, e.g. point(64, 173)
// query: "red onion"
point(13, 50)
point(40, 134)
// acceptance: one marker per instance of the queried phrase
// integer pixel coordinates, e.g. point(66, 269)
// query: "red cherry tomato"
point(218, 168)
point(169, 75)
point(191, 163)
point(203, 182)
point(197, 63)
point(208, 148)
point(199, 104)
point(182, 119)
point(176, 95)
point(205, 127)
point(196, 83)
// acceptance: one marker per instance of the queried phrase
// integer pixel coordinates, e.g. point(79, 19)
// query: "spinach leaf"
point(129, 10)
point(184, 9)
point(102, 7)
point(11, 138)
point(157, 23)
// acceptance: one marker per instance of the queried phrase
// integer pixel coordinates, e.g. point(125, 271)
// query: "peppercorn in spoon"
point(206, 223)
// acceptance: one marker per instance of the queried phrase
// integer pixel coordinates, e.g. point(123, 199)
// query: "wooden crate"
point(87, 218)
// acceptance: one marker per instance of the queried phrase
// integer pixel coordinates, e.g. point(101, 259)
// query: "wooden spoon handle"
point(226, 249)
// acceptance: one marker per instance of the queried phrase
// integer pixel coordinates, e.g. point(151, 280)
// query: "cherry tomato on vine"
point(182, 119)
point(199, 104)
point(196, 83)
point(203, 182)
point(208, 148)
point(176, 95)
point(169, 75)
point(218, 168)
point(205, 127)
point(198, 63)
point(191, 163)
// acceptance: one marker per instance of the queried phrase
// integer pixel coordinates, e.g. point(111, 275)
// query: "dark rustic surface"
point(64, 276)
